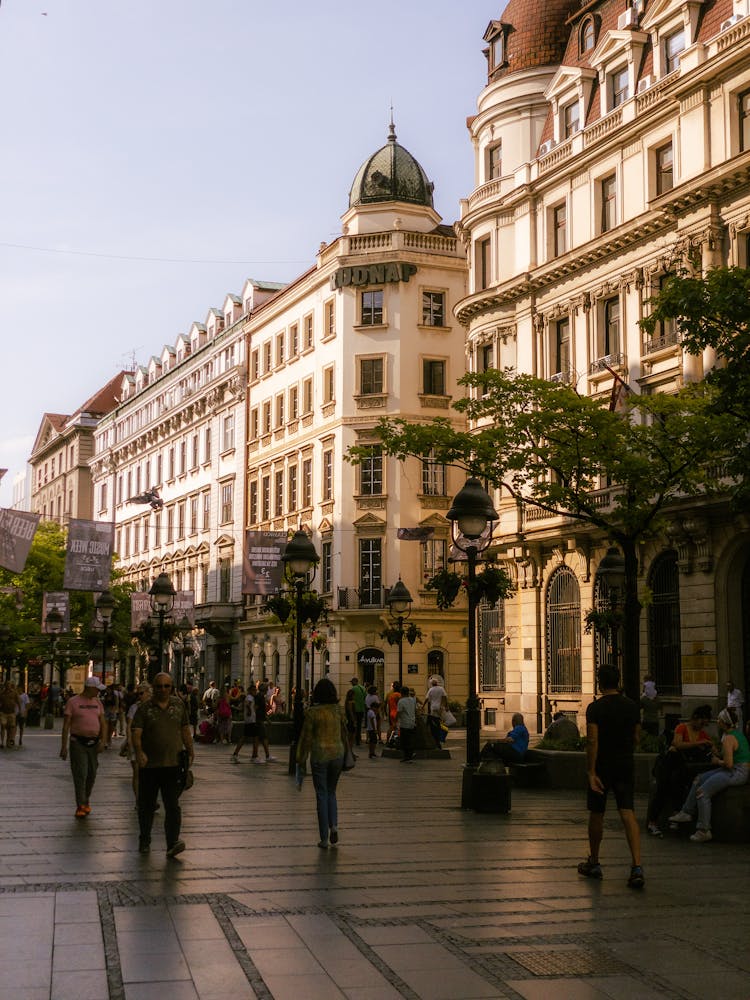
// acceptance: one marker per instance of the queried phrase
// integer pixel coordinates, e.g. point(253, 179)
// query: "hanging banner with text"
point(60, 601)
point(88, 558)
point(141, 611)
point(262, 568)
point(17, 530)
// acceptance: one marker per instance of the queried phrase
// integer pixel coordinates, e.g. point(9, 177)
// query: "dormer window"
point(674, 46)
point(586, 36)
point(496, 54)
point(618, 87)
point(570, 119)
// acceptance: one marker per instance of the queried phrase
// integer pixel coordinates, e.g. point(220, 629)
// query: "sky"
point(156, 153)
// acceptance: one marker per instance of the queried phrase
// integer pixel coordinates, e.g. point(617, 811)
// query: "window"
point(491, 648)
point(560, 362)
point(559, 229)
point(206, 446)
point(326, 567)
point(293, 340)
point(372, 308)
point(433, 377)
point(485, 357)
point(674, 46)
point(193, 515)
point(328, 385)
point(170, 467)
point(495, 161)
point(144, 527)
point(570, 119)
point(664, 169)
point(255, 365)
point(307, 482)
point(195, 452)
point(225, 579)
point(744, 105)
point(280, 348)
point(482, 263)
point(563, 621)
point(293, 402)
point(227, 502)
point(618, 88)
point(308, 327)
point(664, 659)
point(370, 572)
point(267, 417)
point(307, 395)
point(227, 430)
point(206, 510)
point(370, 376)
point(183, 460)
point(181, 519)
point(608, 188)
point(292, 489)
point(433, 477)
point(371, 472)
point(329, 318)
point(434, 554)
point(252, 506)
point(587, 36)
point(433, 308)
point(278, 493)
point(204, 582)
point(280, 410)
point(497, 51)
point(103, 497)
point(328, 474)
point(254, 423)
point(265, 498)
point(610, 338)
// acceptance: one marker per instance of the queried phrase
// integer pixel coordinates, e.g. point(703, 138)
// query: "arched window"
point(491, 644)
point(435, 662)
point(563, 632)
point(586, 36)
point(664, 658)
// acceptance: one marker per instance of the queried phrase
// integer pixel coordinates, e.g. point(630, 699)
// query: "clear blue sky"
point(226, 132)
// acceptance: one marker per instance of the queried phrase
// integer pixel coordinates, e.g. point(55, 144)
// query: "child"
point(372, 730)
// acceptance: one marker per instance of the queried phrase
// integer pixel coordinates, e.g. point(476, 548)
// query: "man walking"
point(84, 730)
point(612, 731)
point(160, 729)
point(406, 717)
point(359, 709)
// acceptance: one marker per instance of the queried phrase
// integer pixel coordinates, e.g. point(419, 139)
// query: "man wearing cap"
point(160, 729)
point(84, 731)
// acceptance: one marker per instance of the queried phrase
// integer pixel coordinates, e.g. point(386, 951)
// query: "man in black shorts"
point(612, 732)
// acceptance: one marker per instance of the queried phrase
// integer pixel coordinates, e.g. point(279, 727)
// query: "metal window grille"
point(563, 633)
point(664, 658)
point(491, 647)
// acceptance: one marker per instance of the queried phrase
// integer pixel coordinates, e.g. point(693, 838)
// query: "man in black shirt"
point(612, 732)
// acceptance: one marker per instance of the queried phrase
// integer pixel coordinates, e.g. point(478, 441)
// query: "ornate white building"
point(612, 144)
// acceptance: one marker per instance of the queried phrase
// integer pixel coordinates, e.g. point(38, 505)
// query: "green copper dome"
point(391, 174)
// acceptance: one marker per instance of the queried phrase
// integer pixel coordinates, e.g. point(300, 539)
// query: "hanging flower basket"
point(491, 585)
point(602, 621)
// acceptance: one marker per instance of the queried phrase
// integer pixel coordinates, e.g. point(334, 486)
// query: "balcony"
point(353, 599)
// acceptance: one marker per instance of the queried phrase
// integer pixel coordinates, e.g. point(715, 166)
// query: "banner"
point(140, 609)
point(60, 601)
point(88, 559)
point(262, 568)
point(17, 530)
point(184, 607)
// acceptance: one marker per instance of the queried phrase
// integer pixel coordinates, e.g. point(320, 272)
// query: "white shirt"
point(434, 698)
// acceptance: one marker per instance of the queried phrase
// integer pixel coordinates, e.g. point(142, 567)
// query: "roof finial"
point(391, 128)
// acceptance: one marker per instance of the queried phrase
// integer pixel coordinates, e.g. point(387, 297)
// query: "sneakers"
point(681, 817)
point(175, 849)
point(590, 869)
point(636, 880)
point(334, 835)
point(81, 812)
point(270, 758)
point(654, 830)
point(144, 845)
point(701, 836)
point(256, 760)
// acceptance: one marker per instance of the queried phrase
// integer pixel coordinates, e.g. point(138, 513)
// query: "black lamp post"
point(299, 558)
point(53, 624)
point(611, 571)
point(161, 595)
point(399, 606)
point(185, 627)
point(105, 606)
point(471, 512)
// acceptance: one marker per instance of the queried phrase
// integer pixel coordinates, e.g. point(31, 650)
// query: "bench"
point(730, 815)
point(528, 774)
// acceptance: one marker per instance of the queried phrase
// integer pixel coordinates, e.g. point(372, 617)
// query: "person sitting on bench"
point(512, 749)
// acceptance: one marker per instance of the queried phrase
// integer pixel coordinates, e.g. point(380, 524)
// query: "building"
point(365, 333)
point(179, 428)
point(59, 461)
point(612, 145)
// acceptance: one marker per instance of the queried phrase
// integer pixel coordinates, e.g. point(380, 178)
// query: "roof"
point(391, 174)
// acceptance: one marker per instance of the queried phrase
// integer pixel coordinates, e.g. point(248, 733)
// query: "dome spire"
point(391, 128)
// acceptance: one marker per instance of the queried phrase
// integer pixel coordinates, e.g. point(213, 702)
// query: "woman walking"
point(323, 738)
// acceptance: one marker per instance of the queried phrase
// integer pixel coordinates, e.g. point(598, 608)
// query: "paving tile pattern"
point(420, 900)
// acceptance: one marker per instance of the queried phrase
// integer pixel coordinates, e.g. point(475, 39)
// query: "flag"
point(17, 530)
point(414, 534)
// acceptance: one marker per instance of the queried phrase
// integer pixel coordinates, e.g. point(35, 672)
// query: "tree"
point(556, 450)
point(714, 312)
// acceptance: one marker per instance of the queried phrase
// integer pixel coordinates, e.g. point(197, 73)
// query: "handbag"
point(349, 758)
point(185, 777)
point(448, 717)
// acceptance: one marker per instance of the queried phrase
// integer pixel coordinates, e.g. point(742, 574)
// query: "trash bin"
point(488, 789)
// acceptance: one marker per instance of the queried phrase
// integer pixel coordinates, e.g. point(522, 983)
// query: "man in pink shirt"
point(84, 730)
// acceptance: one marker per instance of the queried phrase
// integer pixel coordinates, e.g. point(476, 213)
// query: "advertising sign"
point(60, 601)
point(262, 568)
point(88, 559)
point(17, 530)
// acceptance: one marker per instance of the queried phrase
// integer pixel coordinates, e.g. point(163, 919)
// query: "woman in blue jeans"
point(323, 738)
point(734, 770)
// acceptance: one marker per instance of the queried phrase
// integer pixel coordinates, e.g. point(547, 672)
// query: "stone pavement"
point(419, 900)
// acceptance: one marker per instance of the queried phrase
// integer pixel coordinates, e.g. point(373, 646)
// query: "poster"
point(17, 530)
point(262, 568)
point(88, 558)
point(59, 600)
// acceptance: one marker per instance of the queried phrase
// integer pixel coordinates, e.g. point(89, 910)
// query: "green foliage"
point(446, 585)
point(572, 745)
point(601, 621)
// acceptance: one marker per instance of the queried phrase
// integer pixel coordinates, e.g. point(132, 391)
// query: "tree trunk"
point(631, 666)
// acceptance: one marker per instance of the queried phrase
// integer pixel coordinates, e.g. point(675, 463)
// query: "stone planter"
point(567, 768)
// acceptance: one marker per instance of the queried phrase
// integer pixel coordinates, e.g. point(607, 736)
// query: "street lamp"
point(53, 624)
point(299, 558)
point(161, 597)
point(471, 512)
point(399, 606)
point(105, 606)
point(185, 627)
point(611, 571)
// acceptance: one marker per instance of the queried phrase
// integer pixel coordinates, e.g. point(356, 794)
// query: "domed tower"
point(390, 191)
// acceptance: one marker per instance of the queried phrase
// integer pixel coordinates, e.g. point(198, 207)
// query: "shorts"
point(260, 730)
point(618, 779)
point(7, 718)
point(251, 730)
